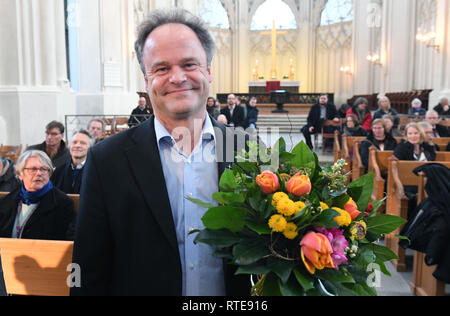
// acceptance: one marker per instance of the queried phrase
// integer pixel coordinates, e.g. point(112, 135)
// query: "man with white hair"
point(432, 117)
point(443, 108)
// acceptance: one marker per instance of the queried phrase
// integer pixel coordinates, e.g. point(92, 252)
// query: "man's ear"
point(210, 76)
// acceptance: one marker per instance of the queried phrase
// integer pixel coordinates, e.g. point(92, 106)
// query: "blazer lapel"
point(221, 147)
point(145, 163)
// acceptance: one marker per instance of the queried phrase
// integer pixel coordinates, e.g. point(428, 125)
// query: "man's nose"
point(177, 75)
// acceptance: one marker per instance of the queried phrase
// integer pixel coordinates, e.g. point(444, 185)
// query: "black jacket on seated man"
point(315, 120)
point(238, 117)
point(442, 131)
point(139, 116)
point(68, 179)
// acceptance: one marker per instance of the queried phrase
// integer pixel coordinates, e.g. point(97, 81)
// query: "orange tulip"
point(299, 185)
point(268, 182)
point(316, 252)
point(352, 209)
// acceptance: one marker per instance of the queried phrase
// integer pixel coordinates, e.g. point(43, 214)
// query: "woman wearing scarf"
point(361, 111)
point(36, 210)
point(379, 138)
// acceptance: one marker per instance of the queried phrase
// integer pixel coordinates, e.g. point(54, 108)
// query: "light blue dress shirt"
point(193, 176)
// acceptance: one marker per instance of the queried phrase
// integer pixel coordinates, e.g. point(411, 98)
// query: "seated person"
point(96, 127)
point(379, 138)
point(439, 131)
point(140, 114)
point(428, 132)
point(443, 108)
point(8, 179)
point(252, 113)
point(319, 113)
point(234, 113)
point(384, 108)
point(68, 177)
point(54, 145)
point(416, 108)
point(36, 210)
point(413, 147)
point(448, 147)
point(362, 113)
point(212, 109)
point(390, 128)
point(352, 127)
point(222, 119)
point(343, 110)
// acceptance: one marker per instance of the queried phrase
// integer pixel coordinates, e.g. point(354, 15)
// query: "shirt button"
point(191, 229)
point(192, 266)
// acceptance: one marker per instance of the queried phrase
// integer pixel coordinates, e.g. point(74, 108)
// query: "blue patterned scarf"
point(29, 198)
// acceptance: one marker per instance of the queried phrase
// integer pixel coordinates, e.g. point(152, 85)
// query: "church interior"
point(75, 60)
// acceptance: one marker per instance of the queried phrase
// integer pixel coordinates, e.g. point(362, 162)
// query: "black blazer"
point(443, 131)
point(126, 242)
point(52, 220)
point(314, 116)
point(62, 179)
point(238, 118)
point(389, 144)
point(405, 151)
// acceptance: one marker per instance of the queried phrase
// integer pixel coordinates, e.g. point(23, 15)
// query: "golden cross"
point(274, 33)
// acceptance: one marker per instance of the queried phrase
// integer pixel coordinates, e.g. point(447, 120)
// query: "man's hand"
point(446, 108)
point(337, 120)
point(311, 129)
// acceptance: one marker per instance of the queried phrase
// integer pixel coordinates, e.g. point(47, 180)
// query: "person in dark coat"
point(132, 235)
point(439, 131)
point(54, 145)
point(443, 108)
point(319, 113)
point(68, 177)
point(352, 127)
point(416, 108)
point(414, 147)
point(36, 210)
point(234, 113)
point(212, 108)
point(378, 138)
point(389, 122)
point(140, 114)
point(8, 179)
point(384, 108)
point(252, 113)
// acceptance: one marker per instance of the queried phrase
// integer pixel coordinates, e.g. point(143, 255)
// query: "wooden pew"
point(10, 152)
point(379, 165)
point(442, 142)
point(347, 148)
point(3, 194)
point(424, 283)
point(358, 168)
point(36, 267)
point(337, 147)
point(76, 200)
point(400, 174)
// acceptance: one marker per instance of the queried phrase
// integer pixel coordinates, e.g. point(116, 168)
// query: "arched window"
point(273, 10)
point(337, 11)
point(214, 14)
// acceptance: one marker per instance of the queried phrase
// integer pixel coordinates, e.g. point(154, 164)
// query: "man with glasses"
point(439, 131)
point(54, 145)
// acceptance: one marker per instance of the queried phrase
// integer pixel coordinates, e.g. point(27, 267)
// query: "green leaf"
point(217, 238)
point(228, 217)
point(228, 181)
point(282, 268)
point(291, 288)
point(228, 198)
point(271, 286)
point(326, 219)
point(306, 281)
point(334, 276)
point(250, 167)
point(361, 191)
point(200, 202)
point(259, 228)
point(250, 251)
point(256, 269)
point(384, 224)
point(304, 158)
point(384, 254)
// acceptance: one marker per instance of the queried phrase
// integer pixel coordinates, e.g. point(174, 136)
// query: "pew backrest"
point(76, 200)
point(347, 144)
point(36, 267)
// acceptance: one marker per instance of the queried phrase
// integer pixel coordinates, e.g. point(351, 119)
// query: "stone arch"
point(292, 4)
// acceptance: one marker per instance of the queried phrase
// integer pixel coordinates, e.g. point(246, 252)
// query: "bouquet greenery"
point(297, 228)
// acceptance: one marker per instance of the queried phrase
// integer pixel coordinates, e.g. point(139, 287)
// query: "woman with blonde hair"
point(414, 147)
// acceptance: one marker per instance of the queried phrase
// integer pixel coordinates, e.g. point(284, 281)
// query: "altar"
point(262, 86)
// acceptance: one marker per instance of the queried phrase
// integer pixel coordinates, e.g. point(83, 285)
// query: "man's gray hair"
point(425, 124)
point(177, 16)
point(42, 156)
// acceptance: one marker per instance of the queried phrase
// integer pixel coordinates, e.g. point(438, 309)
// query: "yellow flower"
point(290, 231)
point(344, 219)
point(286, 207)
point(300, 206)
point(324, 206)
point(358, 230)
point(277, 197)
point(277, 223)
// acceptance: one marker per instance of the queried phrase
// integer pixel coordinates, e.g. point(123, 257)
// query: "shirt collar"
point(163, 136)
point(79, 166)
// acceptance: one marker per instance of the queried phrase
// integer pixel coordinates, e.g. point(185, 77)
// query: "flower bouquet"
point(296, 228)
